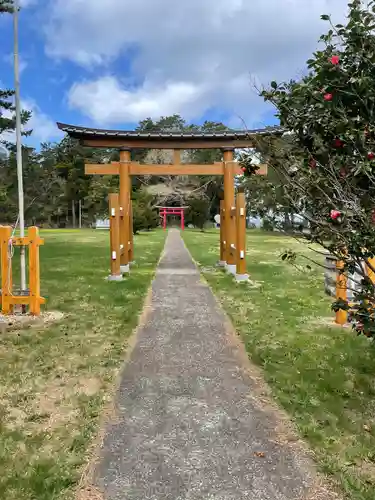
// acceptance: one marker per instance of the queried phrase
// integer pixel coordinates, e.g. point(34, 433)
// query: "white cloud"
point(202, 54)
point(43, 127)
point(106, 101)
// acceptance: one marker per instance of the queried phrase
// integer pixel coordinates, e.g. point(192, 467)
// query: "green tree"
point(198, 211)
point(145, 216)
point(210, 186)
point(6, 6)
point(330, 164)
point(43, 188)
point(173, 123)
point(213, 185)
point(268, 195)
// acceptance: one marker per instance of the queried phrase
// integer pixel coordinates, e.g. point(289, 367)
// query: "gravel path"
point(189, 425)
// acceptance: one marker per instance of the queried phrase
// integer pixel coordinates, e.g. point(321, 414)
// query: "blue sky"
point(110, 64)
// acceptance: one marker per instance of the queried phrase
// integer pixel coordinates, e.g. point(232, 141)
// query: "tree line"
point(57, 190)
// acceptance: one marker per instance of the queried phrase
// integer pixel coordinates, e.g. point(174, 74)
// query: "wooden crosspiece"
point(136, 168)
point(32, 298)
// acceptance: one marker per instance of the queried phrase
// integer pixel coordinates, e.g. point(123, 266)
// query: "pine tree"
point(6, 6)
point(7, 117)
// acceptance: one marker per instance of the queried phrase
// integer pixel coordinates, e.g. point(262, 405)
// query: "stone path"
point(188, 425)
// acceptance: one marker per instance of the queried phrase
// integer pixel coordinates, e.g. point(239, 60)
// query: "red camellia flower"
point(370, 155)
point(338, 143)
point(243, 169)
point(312, 163)
point(335, 214)
point(335, 60)
point(328, 97)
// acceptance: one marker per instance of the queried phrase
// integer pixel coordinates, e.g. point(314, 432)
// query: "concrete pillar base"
point(115, 277)
point(124, 269)
point(221, 263)
point(242, 278)
point(231, 268)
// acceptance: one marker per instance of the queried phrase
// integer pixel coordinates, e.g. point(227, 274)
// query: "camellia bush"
point(326, 156)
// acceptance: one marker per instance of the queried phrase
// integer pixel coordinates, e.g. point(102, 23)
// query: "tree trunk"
point(73, 214)
point(80, 214)
point(286, 220)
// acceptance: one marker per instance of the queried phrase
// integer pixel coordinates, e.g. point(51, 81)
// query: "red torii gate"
point(164, 211)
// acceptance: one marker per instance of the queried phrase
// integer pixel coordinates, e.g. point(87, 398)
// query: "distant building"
point(102, 224)
point(254, 222)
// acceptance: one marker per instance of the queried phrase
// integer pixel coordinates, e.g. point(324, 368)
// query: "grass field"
point(55, 381)
point(324, 376)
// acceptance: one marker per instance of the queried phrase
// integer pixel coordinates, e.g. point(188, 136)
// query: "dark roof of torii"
point(97, 133)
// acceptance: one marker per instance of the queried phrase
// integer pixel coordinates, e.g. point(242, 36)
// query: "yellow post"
point(371, 275)
point(34, 271)
point(6, 270)
point(341, 292)
point(124, 200)
point(223, 259)
point(114, 220)
point(131, 236)
point(370, 272)
point(229, 204)
point(241, 236)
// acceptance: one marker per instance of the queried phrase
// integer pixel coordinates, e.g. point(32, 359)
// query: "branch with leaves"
point(326, 161)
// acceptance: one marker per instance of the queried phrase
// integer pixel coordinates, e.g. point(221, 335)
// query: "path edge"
point(86, 489)
point(286, 431)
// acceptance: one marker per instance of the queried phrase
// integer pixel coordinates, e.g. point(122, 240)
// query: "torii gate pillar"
point(230, 212)
point(125, 186)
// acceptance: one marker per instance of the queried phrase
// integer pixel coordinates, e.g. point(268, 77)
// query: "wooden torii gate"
point(232, 233)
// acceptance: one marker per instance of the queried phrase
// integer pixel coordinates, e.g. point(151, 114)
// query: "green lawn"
point(323, 375)
point(55, 381)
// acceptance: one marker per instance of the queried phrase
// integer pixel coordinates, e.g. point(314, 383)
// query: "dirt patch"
point(89, 493)
point(57, 401)
point(367, 469)
point(12, 322)
point(89, 386)
point(329, 321)
point(54, 405)
point(321, 492)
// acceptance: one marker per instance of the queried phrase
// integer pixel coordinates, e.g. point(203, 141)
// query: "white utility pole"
point(21, 217)
point(80, 214)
